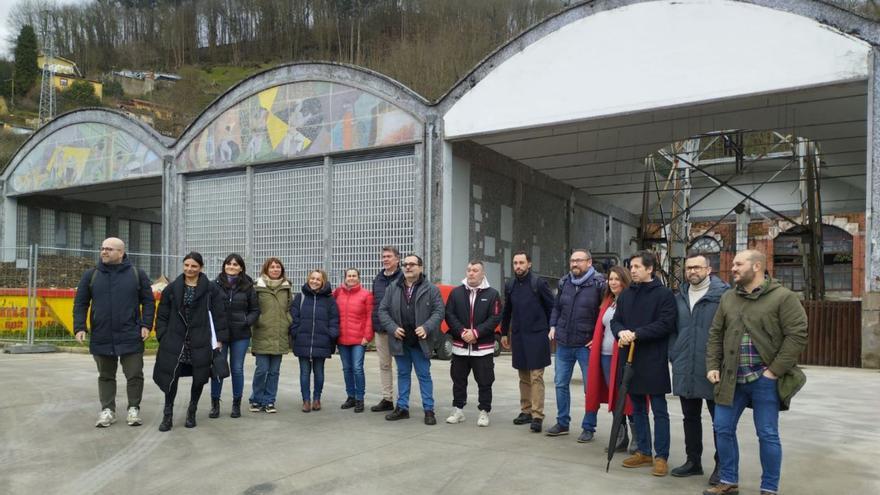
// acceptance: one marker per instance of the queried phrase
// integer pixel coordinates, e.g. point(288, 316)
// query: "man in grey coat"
point(411, 312)
point(696, 303)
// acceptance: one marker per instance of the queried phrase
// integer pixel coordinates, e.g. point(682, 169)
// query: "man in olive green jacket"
point(757, 334)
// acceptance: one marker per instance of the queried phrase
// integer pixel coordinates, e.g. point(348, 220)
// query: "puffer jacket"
point(315, 323)
point(576, 309)
point(121, 304)
point(271, 330)
point(355, 314)
point(241, 305)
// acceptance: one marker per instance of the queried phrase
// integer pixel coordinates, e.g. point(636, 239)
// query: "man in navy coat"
point(121, 318)
point(646, 315)
point(525, 328)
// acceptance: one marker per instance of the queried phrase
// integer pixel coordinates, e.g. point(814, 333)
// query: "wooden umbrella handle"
point(632, 349)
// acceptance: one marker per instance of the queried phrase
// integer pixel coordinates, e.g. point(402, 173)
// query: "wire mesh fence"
point(38, 286)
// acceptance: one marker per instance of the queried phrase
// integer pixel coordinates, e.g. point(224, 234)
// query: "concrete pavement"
point(48, 405)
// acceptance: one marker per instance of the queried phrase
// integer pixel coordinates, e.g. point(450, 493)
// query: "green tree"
point(26, 70)
point(80, 94)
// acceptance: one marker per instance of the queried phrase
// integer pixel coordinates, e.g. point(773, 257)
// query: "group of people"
point(730, 348)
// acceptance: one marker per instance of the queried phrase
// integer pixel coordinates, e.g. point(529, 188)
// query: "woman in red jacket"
point(355, 332)
point(603, 366)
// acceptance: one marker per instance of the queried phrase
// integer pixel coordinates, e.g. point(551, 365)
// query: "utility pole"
point(47, 85)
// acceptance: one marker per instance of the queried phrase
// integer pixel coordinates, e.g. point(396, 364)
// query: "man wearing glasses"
point(571, 324)
point(121, 318)
point(411, 312)
point(696, 302)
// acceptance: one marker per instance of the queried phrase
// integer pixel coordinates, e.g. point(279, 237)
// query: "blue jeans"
point(661, 424)
point(605, 361)
point(306, 367)
point(764, 399)
point(265, 387)
point(413, 357)
point(236, 368)
point(566, 356)
point(352, 357)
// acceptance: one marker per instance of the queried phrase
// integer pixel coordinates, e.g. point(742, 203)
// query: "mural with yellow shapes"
point(297, 120)
point(83, 154)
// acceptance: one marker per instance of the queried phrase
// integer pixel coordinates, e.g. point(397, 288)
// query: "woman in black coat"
point(313, 330)
point(242, 308)
point(183, 330)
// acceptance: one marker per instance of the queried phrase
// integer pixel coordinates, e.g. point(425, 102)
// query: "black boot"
point(358, 406)
point(191, 415)
point(236, 408)
point(622, 439)
point(215, 409)
point(165, 425)
point(348, 404)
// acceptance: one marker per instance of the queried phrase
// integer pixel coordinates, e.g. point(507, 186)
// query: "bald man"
point(121, 318)
point(755, 339)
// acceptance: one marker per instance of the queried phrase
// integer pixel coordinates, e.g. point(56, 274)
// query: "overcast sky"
point(6, 45)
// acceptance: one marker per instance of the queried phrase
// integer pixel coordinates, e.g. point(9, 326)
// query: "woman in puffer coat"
point(269, 343)
point(314, 329)
point(242, 310)
point(183, 330)
point(355, 332)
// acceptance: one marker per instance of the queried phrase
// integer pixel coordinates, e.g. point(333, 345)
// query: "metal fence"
point(38, 285)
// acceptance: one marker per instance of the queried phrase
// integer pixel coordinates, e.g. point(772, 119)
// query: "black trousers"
point(195, 391)
point(484, 373)
point(691, 409)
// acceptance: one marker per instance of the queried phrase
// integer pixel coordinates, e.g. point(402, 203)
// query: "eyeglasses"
point(409, 265)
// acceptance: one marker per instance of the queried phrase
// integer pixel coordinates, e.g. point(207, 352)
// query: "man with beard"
point(757, 334)
point(118, 301)
point(696, 302)
point(524, 328)
point(571, 325)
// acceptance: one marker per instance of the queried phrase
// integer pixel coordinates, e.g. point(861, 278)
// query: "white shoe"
point(106, 418)
point(457, 416)
point(483, 419)
point(134, 418)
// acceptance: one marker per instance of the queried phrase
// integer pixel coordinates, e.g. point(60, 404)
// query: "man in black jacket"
point(122, 310)
point(473, 310)
point(646, 315)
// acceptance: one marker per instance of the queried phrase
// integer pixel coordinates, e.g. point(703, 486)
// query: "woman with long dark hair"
point(183, 329)
point(603, 365)
point(242, 310)
point(314, 330)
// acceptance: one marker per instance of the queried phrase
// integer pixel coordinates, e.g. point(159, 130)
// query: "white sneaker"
point(457, 416)
point(134, 418)
point(483, 419)
point(106, 418)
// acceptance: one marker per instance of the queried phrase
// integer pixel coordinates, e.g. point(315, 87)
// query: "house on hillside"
point(66, 73)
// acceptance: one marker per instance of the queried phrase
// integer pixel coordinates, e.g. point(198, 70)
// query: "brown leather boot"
point(316, 405)
point(638, 460)
point(660, 467)
point(307, 406)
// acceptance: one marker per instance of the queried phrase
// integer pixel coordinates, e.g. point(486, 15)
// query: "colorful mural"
point(82, 154)
point(299, 119)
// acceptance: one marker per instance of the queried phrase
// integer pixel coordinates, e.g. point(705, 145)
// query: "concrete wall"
point(512, 208)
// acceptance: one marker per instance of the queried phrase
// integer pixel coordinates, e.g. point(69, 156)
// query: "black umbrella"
point(617, 422)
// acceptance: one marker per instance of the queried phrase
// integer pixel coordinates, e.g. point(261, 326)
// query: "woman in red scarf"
point(604, 367)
